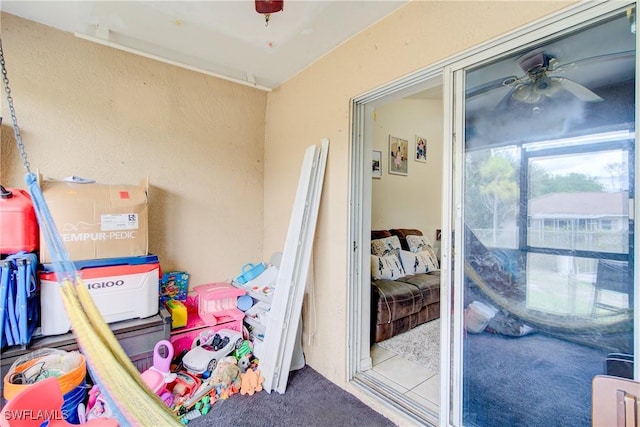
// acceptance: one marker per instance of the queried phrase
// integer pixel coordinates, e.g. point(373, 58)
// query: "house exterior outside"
point(595, 221)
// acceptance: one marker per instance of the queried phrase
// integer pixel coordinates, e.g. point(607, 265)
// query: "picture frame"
point(398, 156)
point(421, 149)
point(376, 164)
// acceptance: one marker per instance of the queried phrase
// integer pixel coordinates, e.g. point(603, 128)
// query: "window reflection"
point(548, 153)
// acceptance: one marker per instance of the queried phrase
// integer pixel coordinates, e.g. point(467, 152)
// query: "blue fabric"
point(19, 309)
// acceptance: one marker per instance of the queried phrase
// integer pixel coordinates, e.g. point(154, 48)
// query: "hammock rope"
point(131, 401)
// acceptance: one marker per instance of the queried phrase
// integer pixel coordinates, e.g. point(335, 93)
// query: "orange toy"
point(251, 382)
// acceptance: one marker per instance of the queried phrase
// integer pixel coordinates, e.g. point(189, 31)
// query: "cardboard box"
point(98, 220)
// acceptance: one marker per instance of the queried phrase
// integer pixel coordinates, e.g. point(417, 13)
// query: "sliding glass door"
point(544, 231)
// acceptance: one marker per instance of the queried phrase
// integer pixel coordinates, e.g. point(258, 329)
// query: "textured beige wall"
point(92, 111)
point(411, 201)
point(316, 104)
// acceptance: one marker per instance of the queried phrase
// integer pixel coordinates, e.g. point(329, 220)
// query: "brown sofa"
point(401, 304)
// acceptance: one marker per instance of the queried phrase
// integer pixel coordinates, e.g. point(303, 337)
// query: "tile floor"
point(407, 377)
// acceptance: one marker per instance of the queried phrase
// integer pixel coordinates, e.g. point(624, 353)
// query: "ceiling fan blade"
point(579, 91)
point(492, 85)
point(618, 56)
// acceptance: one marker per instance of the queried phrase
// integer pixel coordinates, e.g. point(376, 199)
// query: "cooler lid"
point(108, 262)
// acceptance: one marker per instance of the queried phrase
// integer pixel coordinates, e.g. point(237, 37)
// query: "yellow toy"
point(178, 313)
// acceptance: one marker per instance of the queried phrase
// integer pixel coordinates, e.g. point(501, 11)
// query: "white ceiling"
point(221, 37)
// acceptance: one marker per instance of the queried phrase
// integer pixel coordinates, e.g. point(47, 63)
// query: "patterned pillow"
point(414, 263)
point(430, 258)
point(417, 243)
point(386, 267)
point(387, 246)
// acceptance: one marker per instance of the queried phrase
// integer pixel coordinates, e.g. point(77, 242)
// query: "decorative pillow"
point(417, 243)
point(414, 263)
point(402, 234)
point(387, 246)
point(430, 258)
point(386, 267)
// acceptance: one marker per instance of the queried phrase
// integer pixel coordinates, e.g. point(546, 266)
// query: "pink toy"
point(97, 406)
point(218, 300)
point(183, 338)
point(159, 375)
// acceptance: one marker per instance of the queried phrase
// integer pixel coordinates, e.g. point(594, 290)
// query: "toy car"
point(209, 348)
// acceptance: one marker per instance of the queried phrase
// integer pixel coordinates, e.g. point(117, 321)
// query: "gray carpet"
point(420, 344)
point(532, 381)
point(310, 400)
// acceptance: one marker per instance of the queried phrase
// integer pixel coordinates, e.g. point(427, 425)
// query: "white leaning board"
point(286, 308)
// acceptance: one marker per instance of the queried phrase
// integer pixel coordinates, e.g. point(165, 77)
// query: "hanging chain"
point(16, 129)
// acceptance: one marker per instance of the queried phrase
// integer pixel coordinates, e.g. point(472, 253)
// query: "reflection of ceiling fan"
point(540, 80)
point(540, 83)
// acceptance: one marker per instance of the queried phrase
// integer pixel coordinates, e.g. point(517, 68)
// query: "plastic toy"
point(263, 286)
point(97, 406)
point(210, 348)
point(225, 376)
point(183, 387)
point(178, 313)
point(201, 408)
point(251, 382)
point(218, 300)
point(244, 350)
point(249, 272)
point(159, 375)
point(184, 338)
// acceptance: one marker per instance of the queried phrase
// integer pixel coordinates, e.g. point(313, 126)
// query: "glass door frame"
point(565, 22)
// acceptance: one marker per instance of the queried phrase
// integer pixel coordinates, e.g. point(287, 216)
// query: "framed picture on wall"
point(376, 164)
point(421, 149)
point(398, 156)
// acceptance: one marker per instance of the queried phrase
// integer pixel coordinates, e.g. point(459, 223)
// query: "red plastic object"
point(40, 402)
point(18, 225)
point(269, 6)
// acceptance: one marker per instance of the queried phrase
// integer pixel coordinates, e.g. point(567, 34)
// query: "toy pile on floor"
point(212, 352)
point(231, 369)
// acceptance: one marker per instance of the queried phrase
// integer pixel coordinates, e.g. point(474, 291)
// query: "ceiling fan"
point(541, 81)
